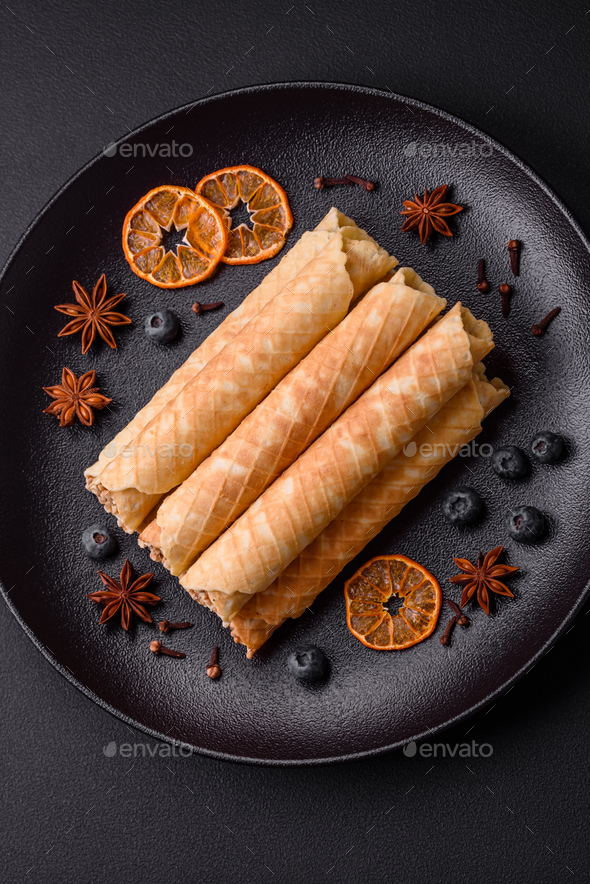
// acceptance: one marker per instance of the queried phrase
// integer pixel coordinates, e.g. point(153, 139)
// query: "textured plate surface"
point(373, 701)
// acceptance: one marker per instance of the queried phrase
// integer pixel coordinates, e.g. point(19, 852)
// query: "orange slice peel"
point(265, 200)
point(195, 259)
point(368, 591)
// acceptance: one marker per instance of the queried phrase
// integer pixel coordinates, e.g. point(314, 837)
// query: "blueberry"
point(98, 542)
point(462, 506)
point(510, 462)
point(546, 447)
point(526, 524)
point(162, 326)
point(308, 663)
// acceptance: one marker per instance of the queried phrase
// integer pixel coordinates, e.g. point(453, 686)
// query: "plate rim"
point(513, 679)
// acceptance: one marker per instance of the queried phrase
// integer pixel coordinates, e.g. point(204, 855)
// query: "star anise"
point(428, 214)
point(75, 398)
point(481, 579)
point(125, 595)
point(92, 314)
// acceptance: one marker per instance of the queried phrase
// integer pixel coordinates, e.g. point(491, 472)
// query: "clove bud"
point(157, 647)
point(482, 283)
point(460, 617)
point(166, 626)
point(213, 668)
point(506, 292)
point(366, 185)
point(540, 327)
point(514, 249)
point(445, 638)
point(321, 183)
point(201, 308)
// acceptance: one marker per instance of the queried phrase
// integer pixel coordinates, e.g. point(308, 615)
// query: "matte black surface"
point(538, 744)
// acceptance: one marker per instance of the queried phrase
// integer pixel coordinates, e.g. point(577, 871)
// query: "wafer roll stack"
point(455, 425)
point(213, 403)
point(302, 502)
point(304, 404)
point(366, 263)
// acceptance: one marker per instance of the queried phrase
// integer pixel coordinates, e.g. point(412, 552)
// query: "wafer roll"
point(344, 364)
point(455, 425)
point(366, 264)
point(316, 488)
point(210, 406)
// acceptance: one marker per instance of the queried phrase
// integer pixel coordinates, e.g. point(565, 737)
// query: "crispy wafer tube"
point(304, 404)
point(455, 425)
point(325, 478)
point(366, 260)
point(210, 406)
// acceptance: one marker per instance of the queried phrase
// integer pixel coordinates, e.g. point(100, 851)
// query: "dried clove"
point(506, 292)
point(202, 308)
point(213, 668)
point(366, 185)
point(166, 626)
point(157, 647)
point(482, 283)
point(320, 183)
point(445, 638)
point(540, 328)
point(461, 618)
point(514, 249)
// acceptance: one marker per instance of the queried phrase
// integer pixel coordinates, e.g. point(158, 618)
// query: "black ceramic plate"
point(372, 701)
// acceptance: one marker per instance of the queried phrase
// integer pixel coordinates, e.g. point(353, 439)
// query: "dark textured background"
point(75, 77)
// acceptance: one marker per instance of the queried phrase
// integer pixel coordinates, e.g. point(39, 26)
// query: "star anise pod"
point(93, 314)
point(75, 398)
point(428, 214)
point(125, 595)
point(481, 579)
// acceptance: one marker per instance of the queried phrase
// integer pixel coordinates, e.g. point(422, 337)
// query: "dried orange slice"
point(196, 258)
point(373, 585)
point(266, 202)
